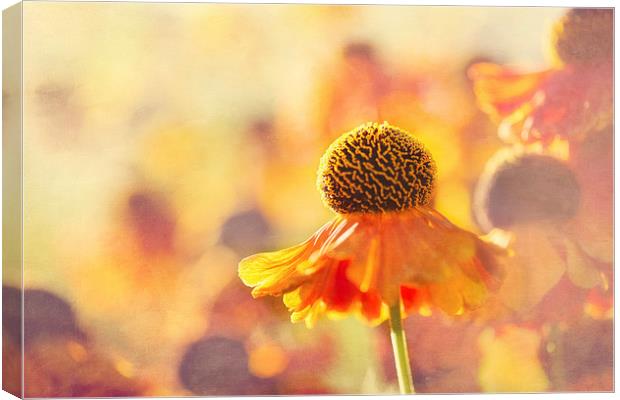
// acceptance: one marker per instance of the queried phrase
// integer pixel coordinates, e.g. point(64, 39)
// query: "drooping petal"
point(274, 273)
point(363, 264)
point(458, 268)
point(579, 267)
point(373, 309)
point(421, 248)
point(447, 298)
point(416, 300)
point(338, 292)
point(534, 268)
point(474, 293)
point(593, 163)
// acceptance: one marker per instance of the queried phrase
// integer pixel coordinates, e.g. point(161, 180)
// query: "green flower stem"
point(401, 356)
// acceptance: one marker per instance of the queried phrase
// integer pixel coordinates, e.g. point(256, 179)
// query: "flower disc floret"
point(376, 168)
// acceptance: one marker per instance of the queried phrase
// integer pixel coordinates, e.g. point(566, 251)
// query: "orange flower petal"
point(448, 298)
point(274, 273)
point(569, 102)
point(339, 292)
point(363, 263)
point(373, 309)
point(502, 91)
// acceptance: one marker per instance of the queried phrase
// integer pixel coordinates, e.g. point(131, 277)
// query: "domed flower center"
point(584, 35)
point(376, 168)
point(528, 187)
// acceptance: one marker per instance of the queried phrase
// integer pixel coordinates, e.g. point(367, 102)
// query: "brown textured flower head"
point(519, 187)
point(376, 168)
point(584, 35)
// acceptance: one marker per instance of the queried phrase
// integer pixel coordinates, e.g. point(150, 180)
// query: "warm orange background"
point(164, 142)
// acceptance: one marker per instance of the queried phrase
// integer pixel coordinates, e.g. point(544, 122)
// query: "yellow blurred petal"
point(500, 90)
point(533, 270)
point(510, 361)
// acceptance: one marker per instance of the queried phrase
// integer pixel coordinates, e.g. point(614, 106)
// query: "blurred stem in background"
point(401, 356)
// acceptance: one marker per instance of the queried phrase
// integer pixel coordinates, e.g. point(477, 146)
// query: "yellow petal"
point(292, 299)
point(272, 273)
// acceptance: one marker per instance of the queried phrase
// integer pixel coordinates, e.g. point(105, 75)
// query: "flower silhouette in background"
point(592, 162)
point(352, 90)
point(569, 107)
point(246, 231)
point(550, 198)
point(362, 84)
point(151, 222)
point(532, 199)
point(385, 249)
point(580, 357)
point(60, 359)
point(558, 211)
point(215, 366)
point(570, 100)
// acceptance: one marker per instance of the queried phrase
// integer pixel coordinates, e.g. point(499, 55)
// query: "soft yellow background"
point(124, 98)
